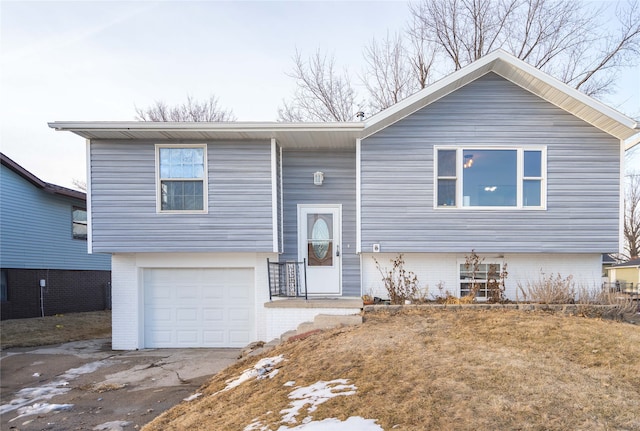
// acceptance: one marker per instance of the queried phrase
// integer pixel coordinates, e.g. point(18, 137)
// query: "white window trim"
point(519, 185)
point(205, 180)
point(461, 262)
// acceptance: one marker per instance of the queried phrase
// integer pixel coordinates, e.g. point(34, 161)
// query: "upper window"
point(490, 178)
point(182, 180)
point(79, 216)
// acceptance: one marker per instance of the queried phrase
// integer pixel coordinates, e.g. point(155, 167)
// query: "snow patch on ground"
point(59, 386)
point(315, 394)
point(352, 423)
point(40, 409)
point(192, 397)
point(263, 369)
point(310, 397)
point(112, 426)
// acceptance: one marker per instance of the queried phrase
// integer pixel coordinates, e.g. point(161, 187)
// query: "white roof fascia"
point(569, 91)
point(201, 126)
point(492, 62)
point(632, 141)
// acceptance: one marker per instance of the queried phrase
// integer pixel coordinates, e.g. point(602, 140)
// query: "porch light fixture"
point(318, 178)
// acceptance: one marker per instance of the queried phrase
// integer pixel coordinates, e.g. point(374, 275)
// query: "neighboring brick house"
point(43, 236)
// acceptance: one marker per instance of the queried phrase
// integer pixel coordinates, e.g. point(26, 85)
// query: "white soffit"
point(522, 74)
point(288, 135)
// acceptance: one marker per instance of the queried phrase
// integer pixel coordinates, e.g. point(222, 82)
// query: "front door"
point(319, 232)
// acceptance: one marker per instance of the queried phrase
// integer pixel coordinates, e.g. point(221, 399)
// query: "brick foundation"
point(66, 292)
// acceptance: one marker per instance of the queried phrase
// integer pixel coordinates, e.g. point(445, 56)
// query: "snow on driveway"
point(28, 400)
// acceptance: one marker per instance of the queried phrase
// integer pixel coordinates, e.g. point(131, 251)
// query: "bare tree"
point(631, 229)
point(192, 110)
point(79, 184)
point(569, 39)
point(388, 77)
point(423, 55)
point(321, 94)
point(565, 38)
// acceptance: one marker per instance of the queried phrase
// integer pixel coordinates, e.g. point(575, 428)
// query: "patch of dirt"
point(443, 369)
point(61, 328)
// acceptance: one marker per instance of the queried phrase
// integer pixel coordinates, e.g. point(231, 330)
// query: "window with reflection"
point(490, 178)
point(182, 178)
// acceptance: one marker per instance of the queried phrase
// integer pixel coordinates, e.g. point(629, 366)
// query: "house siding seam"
point(124, 200)
point(339, 187)
point(397, 199)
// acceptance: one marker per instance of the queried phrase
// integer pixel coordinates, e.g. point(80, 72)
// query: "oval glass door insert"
point(320, 239)
point(320, 252)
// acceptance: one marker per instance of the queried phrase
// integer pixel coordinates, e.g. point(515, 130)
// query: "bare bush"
point(401, 285)
point(549, 289)
point(596, 302)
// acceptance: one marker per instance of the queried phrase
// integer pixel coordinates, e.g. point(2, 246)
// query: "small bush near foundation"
point(401, 284)
point(549, 289)
point(590, 302)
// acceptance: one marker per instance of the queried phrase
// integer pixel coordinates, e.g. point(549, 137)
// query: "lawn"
point(61, 328)
point(432, 369)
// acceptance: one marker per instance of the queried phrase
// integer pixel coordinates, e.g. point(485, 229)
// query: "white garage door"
point(198, 307)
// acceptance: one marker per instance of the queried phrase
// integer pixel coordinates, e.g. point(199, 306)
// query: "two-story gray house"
point(498, 157)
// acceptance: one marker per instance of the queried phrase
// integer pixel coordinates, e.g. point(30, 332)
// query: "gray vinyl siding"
point(123, 196)
point(339, 187)
point(583, 170)
point(37, 229)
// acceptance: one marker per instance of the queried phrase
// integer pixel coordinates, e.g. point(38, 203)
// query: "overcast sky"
point(96, 61)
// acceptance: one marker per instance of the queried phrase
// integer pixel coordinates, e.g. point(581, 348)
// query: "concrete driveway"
point(84, 385)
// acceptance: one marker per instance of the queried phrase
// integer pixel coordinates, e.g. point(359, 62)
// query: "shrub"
point(549, 289)
point(590, 302)
point(401, 285)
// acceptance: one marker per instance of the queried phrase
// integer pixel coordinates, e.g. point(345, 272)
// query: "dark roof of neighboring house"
point(47, 187)
point(630, 263)
point(608, 259)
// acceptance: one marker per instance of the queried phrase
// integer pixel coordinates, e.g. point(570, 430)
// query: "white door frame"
point(312, 275)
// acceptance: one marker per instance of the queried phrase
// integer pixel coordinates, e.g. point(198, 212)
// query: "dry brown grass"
point(61, 328)
point(445, 370)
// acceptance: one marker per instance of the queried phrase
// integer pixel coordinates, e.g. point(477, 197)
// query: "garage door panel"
point(161, 337)
point(187, 315)
point(187, 337)
point(162, 316)
point(187, 292)
point(213, 315)
point(199, 307)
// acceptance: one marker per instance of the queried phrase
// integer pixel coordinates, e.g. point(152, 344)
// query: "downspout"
point(359, 209)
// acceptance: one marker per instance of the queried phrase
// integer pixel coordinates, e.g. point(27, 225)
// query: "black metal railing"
point(287, 279)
